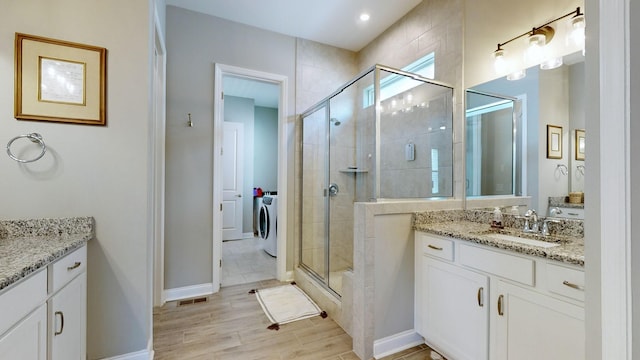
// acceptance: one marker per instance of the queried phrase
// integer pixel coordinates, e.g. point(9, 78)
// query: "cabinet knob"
point(61, 314)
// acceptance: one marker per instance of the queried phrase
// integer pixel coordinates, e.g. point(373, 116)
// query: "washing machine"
point(268, 223)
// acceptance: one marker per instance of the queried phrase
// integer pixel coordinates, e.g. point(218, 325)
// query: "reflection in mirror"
point(491, 144)
point(546, 97)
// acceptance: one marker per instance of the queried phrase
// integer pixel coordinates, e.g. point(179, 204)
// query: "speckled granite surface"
point(562, 202)
point(29, 245)
point(473, 226)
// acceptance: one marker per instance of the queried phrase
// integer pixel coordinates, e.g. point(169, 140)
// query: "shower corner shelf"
point(354, 171)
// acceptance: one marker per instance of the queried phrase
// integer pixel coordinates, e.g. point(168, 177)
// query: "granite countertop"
point(462, 226)
point(29, 245)
point(563, 202)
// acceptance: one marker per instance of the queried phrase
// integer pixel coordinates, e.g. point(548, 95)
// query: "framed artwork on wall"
point(580, 143)
point(554, 142)
point(59, 81)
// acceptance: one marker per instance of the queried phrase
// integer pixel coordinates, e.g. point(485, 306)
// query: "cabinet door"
point(455, 310)
point(68, 321)
point(27, 340)
point(531, 325)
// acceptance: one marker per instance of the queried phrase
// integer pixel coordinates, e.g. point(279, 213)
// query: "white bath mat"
point(286, 303)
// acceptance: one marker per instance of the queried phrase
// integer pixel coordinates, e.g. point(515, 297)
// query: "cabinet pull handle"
point(434, 247)
point(572, 285)
point(61, 322)
point(74, 266)
point(574, 214)
point(480, 297)
point(500, 309)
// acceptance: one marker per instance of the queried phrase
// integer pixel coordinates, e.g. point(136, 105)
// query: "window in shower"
point(425, 67)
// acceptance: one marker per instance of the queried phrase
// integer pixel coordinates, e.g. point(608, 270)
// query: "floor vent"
point(193, 301)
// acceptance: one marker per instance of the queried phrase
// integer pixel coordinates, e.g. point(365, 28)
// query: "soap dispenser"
point(496, 223)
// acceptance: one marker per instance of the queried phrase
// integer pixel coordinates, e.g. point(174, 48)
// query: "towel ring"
point(563, 169)
point(34, 137)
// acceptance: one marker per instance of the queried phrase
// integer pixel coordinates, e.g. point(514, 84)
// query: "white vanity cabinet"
point(532, 325)
point(532, 308)
point(44, 316)
point(452, 302)
point(67, 307)
point(23, 325)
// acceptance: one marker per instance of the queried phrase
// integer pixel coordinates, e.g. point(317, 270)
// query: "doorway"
point(254, 101)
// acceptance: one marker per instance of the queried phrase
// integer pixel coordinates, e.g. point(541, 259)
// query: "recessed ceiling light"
point(364, 17)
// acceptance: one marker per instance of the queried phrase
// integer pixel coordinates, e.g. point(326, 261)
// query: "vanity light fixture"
point(517, 75)
point(500, 63)
point(551, 63)
point(539, 37)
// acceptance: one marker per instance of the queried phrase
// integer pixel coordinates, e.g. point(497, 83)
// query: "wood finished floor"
point(232, 325)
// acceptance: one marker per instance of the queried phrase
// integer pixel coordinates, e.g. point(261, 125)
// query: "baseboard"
point(289, 276)
point(188, 292)
point(396, 343)
point(138, 355)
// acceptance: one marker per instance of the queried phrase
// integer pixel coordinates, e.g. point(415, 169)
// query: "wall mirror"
point(506, 136)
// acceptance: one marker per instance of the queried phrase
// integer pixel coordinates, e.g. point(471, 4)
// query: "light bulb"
point(576, 34)
point(551, 63)
point(536, 51)
point(517, 75)
point(500, 63)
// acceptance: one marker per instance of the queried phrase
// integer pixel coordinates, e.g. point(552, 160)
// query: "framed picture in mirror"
point(579, 144)
point(554, 142)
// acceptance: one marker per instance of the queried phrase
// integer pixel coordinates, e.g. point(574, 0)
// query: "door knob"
point(239, 195)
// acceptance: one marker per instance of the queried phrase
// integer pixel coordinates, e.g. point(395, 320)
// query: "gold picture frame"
point(580, 144)
point(554, 142)
point(59, 81)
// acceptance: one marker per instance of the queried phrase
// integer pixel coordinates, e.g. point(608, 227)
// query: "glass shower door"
point(313, 252)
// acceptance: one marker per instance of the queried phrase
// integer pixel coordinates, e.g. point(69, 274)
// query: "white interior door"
point(232, 160)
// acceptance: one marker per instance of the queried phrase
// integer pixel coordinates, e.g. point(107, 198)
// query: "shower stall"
point(385, 135)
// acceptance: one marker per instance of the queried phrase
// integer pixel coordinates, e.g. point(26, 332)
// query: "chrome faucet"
point(533, 228)
point(545, 225)
point(555, 211)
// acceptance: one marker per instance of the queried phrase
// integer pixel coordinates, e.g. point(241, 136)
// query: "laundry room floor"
point(245, 261)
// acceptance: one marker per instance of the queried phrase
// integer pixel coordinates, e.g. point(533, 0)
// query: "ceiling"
point(331, 22)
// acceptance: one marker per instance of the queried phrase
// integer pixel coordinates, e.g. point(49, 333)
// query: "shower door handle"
point(333, 189)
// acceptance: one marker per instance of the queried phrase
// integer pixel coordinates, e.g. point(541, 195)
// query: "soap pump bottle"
point(497, 219)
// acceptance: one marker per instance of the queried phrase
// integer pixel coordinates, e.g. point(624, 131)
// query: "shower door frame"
point(375, 196)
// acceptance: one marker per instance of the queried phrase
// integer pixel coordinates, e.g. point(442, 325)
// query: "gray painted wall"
point(88, 170)
point(265, 162)
point(195, 42)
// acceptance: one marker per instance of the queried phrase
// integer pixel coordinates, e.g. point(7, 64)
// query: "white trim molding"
point(138, 355)
point(285, 135)
point(607, 210)
point(186, 292)
point(396, 343)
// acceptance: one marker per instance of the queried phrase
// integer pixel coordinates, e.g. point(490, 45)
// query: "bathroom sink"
point(525, 241)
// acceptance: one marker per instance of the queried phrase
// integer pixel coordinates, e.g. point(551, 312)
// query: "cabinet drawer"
point(438, 247)
point(507, 266)
point(571, 213)
point(21, 299)
point(565, 281)
point(67, 268)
